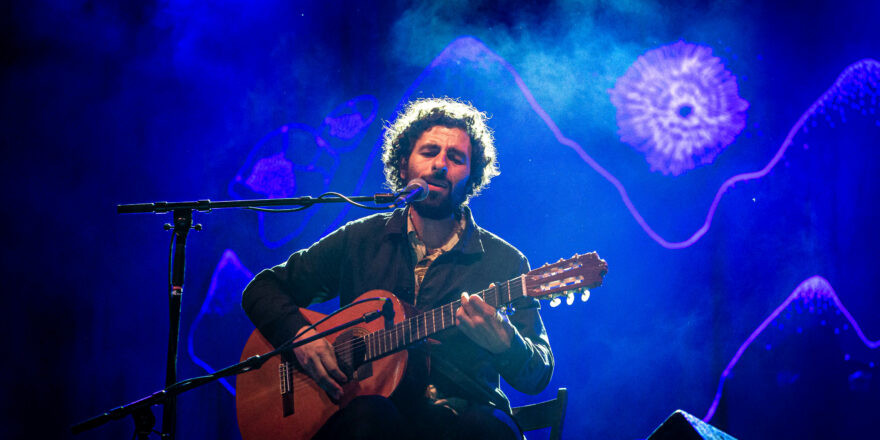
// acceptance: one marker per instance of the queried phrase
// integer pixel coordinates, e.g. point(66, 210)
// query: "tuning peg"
point(569, 299)
point(585, 295)
point(555, 302)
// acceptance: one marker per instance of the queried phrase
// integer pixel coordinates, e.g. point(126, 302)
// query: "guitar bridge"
point(286, 382)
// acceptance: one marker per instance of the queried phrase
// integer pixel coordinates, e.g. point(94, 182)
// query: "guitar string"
point(350, 346)
point(420, 321)
point(389, 336)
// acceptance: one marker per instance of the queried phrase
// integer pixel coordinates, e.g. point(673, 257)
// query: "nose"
point(441, 164)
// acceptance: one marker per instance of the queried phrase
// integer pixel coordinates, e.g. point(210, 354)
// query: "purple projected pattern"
point(812, 290)
point(299, 154)
point(230, 329)
point(859, 80)
point(857, 86)
point(678, 105)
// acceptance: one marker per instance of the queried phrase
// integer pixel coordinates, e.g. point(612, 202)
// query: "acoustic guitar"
point(281, 401)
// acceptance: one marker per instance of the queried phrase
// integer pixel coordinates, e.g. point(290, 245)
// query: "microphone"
point(415, 191)
point(388, 313)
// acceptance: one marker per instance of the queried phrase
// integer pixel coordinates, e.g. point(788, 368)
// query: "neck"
point(433, 232)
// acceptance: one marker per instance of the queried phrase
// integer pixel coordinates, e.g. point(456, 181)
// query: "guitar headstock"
point(577, 274)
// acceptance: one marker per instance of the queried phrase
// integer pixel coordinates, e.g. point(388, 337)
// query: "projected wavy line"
point(854, 79)
point(866, 71)
point(812, 288)
point(223, 299)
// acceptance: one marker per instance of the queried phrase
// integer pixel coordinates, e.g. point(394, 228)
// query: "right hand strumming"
point(319, 361)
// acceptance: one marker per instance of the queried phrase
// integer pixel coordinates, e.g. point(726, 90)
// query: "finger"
point(310, 360)
point(467, 303)
point(332, 367)
point(326, 382)
point(481, 307)
point(462, 319)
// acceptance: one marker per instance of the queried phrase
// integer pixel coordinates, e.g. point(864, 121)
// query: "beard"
point(437, 207)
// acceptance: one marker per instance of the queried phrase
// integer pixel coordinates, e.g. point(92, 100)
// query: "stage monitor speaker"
point(683, 426)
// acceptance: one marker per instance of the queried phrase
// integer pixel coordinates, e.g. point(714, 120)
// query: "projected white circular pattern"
point(679, 106)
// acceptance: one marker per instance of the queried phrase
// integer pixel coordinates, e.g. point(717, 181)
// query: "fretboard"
point(419, 327)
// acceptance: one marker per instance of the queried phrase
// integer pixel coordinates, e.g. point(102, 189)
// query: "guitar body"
point(264, 412)
point(280, 401)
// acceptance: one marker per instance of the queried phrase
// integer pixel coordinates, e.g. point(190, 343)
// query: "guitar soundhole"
point(351, 352)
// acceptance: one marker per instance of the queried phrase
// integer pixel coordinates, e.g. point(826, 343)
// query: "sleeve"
point(528, 364)
point(273, 298)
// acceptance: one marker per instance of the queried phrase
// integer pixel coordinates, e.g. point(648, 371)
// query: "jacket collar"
point(470, 242)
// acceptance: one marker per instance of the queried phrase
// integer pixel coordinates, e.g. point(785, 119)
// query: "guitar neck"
point(419, 327)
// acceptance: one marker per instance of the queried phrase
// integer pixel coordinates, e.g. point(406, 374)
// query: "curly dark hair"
point(421, 115)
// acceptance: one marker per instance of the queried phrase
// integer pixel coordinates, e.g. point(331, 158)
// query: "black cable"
point(299, 208)
point(310, 327)
point(212, 376)
point(341, 196)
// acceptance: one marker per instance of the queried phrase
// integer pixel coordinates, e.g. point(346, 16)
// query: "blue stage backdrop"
point(721, 156)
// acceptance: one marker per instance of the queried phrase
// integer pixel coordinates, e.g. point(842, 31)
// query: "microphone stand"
point(183, 222)
point(140, 409)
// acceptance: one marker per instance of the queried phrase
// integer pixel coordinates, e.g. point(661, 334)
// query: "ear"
point(402, 168)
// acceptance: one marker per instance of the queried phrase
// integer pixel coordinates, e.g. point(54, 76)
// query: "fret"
point(379, 350)
point(521, 286)
point(377, 344)
point(390, 337)
point(453, 306)
point(488, 296)
point(421, 326)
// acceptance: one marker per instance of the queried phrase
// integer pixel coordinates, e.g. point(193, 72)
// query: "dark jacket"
point(374, 253)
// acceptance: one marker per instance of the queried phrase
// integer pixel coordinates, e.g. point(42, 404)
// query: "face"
point(441, 156)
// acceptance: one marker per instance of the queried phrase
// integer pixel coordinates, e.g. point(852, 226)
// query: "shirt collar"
point(469, 243)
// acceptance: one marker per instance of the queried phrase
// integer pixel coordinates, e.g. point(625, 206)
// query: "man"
point(428, 254)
